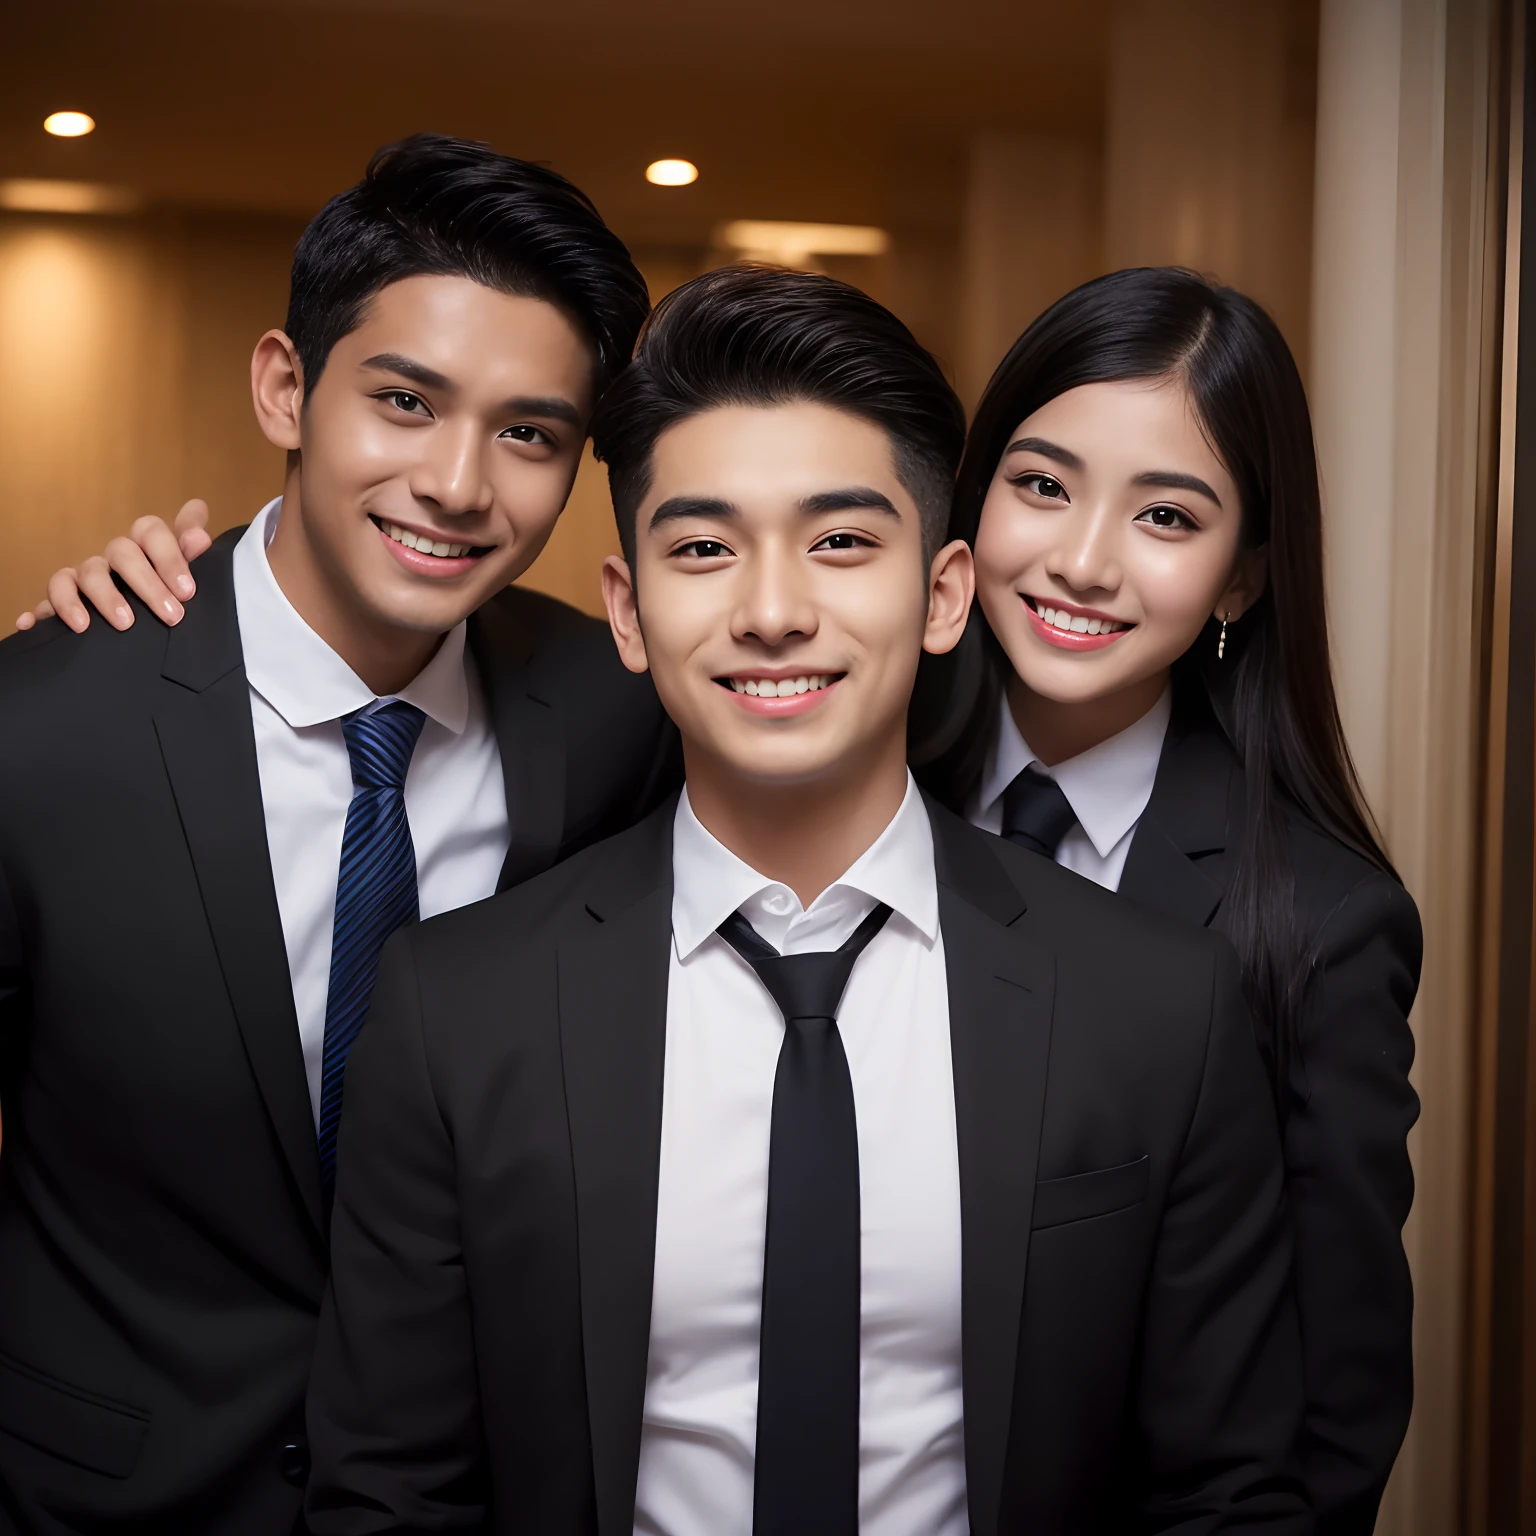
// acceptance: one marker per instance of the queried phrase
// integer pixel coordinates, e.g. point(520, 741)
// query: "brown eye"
point(525, 434)
point(1044, 485)
point(1166, 517)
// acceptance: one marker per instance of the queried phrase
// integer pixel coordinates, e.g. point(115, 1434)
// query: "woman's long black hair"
point(1273, 695)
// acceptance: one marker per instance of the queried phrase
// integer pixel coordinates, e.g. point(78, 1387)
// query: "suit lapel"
point(203, 722)
point(528, 737)
point(1001, 992)
point(1159, 874)
point(613, 1025)
point(1186, 821)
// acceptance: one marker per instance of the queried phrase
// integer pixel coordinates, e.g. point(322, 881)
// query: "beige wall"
point(1032, 230)
point(1208, 145)
point(1204, 160)
point(124, 350)
point(1406, 325)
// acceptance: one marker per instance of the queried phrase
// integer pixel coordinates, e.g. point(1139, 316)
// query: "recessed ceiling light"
point(69, 125)
point(671, 173)
point(66, 197)
point(790, 244)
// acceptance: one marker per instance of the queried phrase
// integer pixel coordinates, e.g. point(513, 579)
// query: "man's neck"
point(1058, 731)
point(386, 656)
point(806, 836)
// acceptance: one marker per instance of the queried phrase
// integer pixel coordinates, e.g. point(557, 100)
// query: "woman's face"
point(1109, 534)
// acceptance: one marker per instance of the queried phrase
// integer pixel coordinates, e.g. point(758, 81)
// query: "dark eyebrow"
point(847, 498)
point(550, 407)
point(1159, 479)
point(692, 506)
point(1046, 449)
point(418, 373)
point(1172, 480)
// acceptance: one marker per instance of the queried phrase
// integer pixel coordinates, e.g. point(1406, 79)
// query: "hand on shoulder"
point(154, 563)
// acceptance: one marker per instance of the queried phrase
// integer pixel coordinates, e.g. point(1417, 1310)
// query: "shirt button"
point(778, 903)
point(293, 1463)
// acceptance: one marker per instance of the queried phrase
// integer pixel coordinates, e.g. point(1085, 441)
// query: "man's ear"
point(277, 389)
point(623, 613)
point(951, 586)
point(1247, 585)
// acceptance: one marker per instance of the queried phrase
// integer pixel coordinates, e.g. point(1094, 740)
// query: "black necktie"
point(806, 1477)
point(1036, 814)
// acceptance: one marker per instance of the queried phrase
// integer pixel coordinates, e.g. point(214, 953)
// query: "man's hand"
point(153, 560)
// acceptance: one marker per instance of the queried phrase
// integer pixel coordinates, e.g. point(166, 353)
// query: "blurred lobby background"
point(1356, 165)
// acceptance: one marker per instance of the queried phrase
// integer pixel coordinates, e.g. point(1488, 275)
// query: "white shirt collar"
point(1108, 786)
point(710, 882)
point(299, 675)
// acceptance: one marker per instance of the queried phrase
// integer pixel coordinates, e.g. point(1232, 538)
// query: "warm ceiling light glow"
point(790, 244)
point(65, 197)
point(671, 173)
point(69, 125)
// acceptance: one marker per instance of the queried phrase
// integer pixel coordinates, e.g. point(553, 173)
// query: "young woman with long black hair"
point(1144, 694)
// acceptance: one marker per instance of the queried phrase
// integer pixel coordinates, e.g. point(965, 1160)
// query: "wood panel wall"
point(124, 378)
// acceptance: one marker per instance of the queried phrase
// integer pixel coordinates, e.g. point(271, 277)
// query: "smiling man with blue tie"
point(208, 832)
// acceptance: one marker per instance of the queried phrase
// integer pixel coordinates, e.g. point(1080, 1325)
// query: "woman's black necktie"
point(806, 1477)
point(1036, 814)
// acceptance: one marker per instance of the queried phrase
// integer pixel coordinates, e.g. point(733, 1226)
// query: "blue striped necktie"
point(375, 893)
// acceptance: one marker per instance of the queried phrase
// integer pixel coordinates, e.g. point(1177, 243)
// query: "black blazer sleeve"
point(13, 995)
point(1351, 1185)
point(1220, 1394)
point(13, 976)
point(394, 1421)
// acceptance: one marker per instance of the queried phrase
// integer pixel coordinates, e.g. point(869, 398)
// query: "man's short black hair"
point(441, 207)
point(760, 336)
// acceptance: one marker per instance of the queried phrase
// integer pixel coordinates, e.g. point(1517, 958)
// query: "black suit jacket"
point(1130, 1356)
point(162, 1237)
point(1350, 1103)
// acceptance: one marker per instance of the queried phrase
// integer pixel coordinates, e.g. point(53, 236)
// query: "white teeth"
point(1077, 624)
point(423, 545)
point(770, 688)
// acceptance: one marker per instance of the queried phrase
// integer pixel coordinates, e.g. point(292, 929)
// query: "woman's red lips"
point(1054, 633)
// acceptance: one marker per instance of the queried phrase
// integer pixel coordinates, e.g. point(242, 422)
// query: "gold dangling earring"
point(1221, 642)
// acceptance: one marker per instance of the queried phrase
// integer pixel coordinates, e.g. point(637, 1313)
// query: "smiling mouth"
point(1068, 623)
point(783, 687)
point(438, 549)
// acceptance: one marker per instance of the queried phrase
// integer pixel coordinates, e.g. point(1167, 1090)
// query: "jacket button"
point(293, 1463)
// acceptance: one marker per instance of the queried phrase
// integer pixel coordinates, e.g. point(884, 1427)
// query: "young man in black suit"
point(207, 833)
point(802, 1160)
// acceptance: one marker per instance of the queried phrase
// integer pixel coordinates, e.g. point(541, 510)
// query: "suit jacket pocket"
point(69, 1422)
point(1100, 1193)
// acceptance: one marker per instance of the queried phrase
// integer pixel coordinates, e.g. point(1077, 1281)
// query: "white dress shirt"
point(722, 1050)
point(455, 797)
point(1108, 788)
